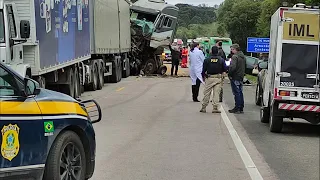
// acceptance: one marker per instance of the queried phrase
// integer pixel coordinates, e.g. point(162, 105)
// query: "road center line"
point(120, 89)
point(246, 159)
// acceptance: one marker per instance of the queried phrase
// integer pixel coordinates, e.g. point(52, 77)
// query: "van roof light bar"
point(303, 6)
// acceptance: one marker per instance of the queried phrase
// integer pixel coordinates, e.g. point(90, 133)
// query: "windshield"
point(1, 27)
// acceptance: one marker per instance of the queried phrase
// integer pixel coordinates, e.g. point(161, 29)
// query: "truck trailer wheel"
point(126, 73)
point(69, 88)
point(116, 71)
point(276, 122)
point(94, 84)
point(66, 159)
point(77, 88)
point(100, 76)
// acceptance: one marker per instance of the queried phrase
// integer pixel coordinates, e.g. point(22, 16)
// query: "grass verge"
point(251, 78)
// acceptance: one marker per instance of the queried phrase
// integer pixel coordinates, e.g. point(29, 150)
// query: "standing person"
point(184, 63)
point(175, 59)
point(221, 51)
point(214, 68)
point(196, 65)
point(236, 75)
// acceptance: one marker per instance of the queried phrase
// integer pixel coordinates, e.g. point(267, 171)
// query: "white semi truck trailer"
point(72, 45)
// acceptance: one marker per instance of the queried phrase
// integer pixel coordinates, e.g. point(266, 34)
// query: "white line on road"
point(250, 166)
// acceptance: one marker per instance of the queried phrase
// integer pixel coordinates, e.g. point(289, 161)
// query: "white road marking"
point(246, 159)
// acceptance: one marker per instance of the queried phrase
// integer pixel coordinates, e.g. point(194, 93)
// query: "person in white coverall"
point(196, 63)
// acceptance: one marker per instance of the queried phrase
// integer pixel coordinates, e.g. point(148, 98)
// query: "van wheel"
point(67, 159)
point(221, 95)
point(264, 114)
point(276, 122)
point(258, 95)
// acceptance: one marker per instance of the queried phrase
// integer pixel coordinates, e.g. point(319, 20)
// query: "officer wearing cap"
point(214, 69)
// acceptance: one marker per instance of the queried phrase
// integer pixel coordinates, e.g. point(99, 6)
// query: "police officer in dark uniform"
point(214, 69)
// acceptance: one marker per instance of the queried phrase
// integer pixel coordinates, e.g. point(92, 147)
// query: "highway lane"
point(152, 130)
point(292, 154)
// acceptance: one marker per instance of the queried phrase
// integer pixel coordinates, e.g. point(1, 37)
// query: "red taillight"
point(288, 93)
point(282, 12)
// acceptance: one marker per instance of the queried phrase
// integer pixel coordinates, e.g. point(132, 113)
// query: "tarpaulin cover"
point(142, 27)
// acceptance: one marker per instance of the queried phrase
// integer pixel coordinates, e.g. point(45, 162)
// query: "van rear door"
point(300, 53)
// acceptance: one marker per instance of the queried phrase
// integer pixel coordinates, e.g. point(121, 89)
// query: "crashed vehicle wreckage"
point(153, 25)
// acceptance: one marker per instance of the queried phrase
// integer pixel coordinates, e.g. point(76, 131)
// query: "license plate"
point(310, 95)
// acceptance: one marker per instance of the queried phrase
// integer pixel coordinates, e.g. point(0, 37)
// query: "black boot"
point(236, 110)
point(194, 94)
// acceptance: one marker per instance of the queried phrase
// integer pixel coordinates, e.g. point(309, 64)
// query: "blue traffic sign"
point(258, 45)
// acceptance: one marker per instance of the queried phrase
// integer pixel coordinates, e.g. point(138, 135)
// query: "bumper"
point(299, 107)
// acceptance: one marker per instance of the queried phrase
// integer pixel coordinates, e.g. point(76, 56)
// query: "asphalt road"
point(152, 130)
point(293, 154)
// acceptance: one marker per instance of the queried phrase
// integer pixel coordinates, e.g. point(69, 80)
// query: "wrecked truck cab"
point(164, 17)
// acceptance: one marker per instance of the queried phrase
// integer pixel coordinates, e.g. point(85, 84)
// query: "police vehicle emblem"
point(10, 141)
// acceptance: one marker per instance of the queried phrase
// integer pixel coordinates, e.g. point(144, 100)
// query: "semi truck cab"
point(13, 33)
point(164, 17)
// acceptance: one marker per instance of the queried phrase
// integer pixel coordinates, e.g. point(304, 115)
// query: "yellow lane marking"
point(120, 89)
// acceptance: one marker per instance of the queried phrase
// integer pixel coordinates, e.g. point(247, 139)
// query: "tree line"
point(250, 18)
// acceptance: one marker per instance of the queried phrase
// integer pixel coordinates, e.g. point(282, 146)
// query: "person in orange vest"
point(185, 53)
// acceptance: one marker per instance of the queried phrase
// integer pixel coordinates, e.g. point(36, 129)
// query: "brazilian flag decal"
point(48, 127)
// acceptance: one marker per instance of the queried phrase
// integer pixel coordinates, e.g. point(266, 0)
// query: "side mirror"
point(24, 29)
point(31, 87)
point(93, 109)
point(263, 65)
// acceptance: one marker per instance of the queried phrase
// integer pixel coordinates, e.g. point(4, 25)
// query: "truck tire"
point(61, 162)
point(258, 95)
point(162, 70)
point(100, 77)
point(276, 122)
point(150, 67)
point(77, 87)
point(116, 71)
point(69, 88)
point(94, 84)
point(126, 73)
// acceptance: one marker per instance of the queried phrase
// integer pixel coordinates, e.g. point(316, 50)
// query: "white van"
point(289, 88)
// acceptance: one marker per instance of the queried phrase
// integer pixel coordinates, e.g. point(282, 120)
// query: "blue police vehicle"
point(44, 134)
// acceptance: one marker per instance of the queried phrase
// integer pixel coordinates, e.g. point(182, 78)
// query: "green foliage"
point(268, 7)
point(189, 14)
point(197, 30)
point(241, 23)
point(245, 18)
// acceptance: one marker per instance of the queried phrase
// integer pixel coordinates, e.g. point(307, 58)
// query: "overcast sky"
point(196, 2)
